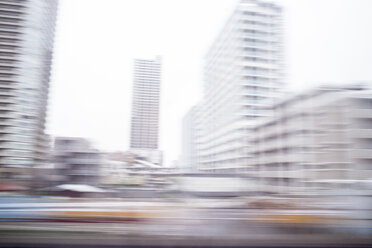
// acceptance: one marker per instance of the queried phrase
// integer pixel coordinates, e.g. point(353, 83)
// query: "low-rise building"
point(316, 141)
point(76, 161)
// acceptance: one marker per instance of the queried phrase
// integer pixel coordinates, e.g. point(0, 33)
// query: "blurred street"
point(175, 222)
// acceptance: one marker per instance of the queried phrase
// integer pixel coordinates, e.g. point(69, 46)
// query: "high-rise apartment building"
point(144, 136)
point(26, 46)
point(243, 76)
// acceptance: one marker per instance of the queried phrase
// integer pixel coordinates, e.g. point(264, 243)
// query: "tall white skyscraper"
point(191, 133)
point(144, 136)
point(243, 75)
point(26, 47)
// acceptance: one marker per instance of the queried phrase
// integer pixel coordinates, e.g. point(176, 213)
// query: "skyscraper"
point(191, 132)
point(243, 75)
point(26, 45)
point(144, 137)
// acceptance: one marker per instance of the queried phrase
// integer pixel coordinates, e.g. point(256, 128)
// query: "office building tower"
point(26, 47)
point(144, 136)
point(243, 76)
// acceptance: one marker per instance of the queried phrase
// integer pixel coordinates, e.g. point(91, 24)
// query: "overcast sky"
point(327, 41)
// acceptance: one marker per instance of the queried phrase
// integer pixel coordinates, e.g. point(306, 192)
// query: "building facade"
point(317, 141)
point(144, 136)
point(243, 76)
point(76, 161)
point(191, 135)
point(26, 47)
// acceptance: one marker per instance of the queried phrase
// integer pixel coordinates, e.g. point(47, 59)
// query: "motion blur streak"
point(259, 168)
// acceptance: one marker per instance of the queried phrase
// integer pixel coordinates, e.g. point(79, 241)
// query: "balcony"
point(361, 133)
point(362, 153)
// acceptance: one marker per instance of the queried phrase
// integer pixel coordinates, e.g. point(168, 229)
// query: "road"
point(176, 224)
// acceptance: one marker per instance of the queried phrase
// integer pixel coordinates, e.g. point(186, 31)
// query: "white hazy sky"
point(327, 41)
